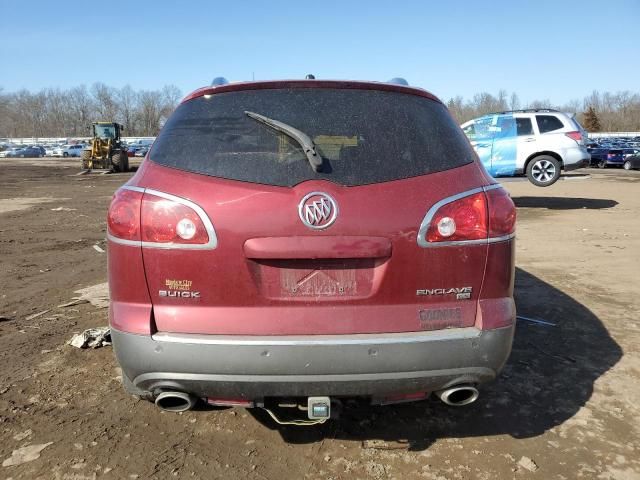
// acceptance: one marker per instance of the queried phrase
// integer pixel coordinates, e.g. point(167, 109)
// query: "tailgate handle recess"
point(317, 247)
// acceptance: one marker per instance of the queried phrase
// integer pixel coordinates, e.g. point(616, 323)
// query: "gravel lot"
point(565, 407)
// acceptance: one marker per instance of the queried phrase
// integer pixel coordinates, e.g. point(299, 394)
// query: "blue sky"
point(540, 49)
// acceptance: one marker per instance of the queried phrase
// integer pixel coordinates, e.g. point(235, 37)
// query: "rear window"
point(364, 136)
point(548, 123)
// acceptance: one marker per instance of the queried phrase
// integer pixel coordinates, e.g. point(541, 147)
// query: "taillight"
point(502, 213)
point(482, 215)
point(577, 136)
point(167, 221)
point(463, 219)
point(155, 219)
point(123, 219)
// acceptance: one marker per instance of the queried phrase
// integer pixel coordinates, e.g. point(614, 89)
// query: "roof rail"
point(526, 110)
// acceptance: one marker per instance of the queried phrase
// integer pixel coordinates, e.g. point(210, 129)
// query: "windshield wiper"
point(302, 138)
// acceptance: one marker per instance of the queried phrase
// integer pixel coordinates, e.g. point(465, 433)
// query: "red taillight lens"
point(167, 221)
point(488, 215)
point(577, 136)
point(460, 220)
point(502, 213)
point(123, 219)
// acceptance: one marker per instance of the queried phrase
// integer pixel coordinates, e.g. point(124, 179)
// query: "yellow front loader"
point(106, 149)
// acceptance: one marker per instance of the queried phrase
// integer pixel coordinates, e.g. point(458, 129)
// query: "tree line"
point(609, 112)
point(54, 112)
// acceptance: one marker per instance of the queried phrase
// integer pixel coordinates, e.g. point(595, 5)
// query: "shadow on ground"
point(548, 378)
point(564, 203)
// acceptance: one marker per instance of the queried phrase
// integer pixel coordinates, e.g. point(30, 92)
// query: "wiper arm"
point(302, 138)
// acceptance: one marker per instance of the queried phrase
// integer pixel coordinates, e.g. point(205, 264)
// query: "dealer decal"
point(439, 318)
point(178, 289)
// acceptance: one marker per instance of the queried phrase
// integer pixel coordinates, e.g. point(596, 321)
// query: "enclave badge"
point(461, 293)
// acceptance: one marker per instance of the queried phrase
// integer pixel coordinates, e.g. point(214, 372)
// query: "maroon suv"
point(310, 240)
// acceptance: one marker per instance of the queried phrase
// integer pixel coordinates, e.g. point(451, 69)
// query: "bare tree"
point(128, 103)
point(105, 101)
point(68, 113)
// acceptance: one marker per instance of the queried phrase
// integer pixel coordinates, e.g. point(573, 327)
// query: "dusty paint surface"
point(566, 406)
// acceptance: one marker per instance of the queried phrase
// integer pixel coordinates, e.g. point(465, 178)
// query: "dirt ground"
point(565, 407)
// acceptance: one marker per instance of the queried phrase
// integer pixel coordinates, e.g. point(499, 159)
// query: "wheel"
point(120, 162)
point(86, 159)
point(65, 154)
point(543, 171)
point(602, 164)
point(627, 165)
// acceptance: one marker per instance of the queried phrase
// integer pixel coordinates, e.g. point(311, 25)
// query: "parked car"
point(606, 157)
point(49, 149)
point(59, 151)
point(354, 250)
point(73, 150)
point(141, 152)
point(131, 151)
point(9, 152)
point(632, 163)
point(538, 143)
point(26, 152)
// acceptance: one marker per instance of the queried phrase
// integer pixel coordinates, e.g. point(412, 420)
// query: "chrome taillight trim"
point(424, 226)
point(210, 245)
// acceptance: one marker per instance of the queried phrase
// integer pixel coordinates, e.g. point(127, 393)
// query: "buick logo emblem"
point(317, 210)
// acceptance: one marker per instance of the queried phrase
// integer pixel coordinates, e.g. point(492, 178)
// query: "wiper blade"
point(302, 138)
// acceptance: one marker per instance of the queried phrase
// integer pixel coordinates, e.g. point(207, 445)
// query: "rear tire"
point(627, 165)
point(543, 171)
point(602, 164)
point(120, 162)
point(65, 154)
point(86, 159)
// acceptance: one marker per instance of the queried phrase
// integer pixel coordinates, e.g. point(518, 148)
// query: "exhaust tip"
point(175, 401)
point(459, 395)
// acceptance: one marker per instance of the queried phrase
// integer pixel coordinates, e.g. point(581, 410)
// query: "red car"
point(299, 242)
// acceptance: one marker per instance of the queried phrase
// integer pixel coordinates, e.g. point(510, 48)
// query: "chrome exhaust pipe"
point(458, 395)
point(175, 401)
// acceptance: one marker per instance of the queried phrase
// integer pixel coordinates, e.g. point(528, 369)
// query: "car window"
point(470, 131)
point(548, 123)
point(524, 126)
point(364, 136)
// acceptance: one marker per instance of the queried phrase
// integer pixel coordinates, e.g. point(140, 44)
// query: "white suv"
point(539, 143)
point(69, 151)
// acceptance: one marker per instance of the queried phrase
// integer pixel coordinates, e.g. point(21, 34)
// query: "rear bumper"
point(349, 365)
point(575, 166)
